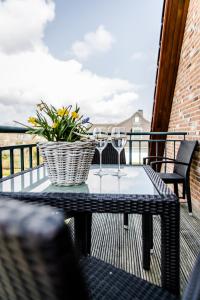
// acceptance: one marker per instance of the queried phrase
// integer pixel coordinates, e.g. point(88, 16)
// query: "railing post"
point(174, 148)
point(22, 158)
point(1, 166)
point(156, 155)
point(38, 156)
point(12, 168)
point(30, 157)
point(130, 148)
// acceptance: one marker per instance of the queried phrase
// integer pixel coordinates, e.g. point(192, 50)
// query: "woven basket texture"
point(67, 163)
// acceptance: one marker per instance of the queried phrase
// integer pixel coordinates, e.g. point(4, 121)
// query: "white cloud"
point(28, 77)
point(22, 23)
point(138, 56)
point(30, 73)
point(93, 42)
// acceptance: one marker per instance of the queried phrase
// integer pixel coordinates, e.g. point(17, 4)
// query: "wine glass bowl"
point(118, 140)
point(101, 142)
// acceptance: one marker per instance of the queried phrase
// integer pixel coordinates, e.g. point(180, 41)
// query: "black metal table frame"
point(82, 205)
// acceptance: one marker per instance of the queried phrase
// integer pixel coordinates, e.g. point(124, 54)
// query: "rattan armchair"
point(181, 170)
point(38, 262)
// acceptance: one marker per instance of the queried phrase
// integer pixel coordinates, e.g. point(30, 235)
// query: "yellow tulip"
point(32, 120)
point(75, 115)
point(62, 112)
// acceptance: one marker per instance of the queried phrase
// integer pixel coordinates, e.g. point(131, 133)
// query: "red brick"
point(185, 114)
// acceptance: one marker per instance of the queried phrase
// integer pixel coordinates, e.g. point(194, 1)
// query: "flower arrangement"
point(63, 124)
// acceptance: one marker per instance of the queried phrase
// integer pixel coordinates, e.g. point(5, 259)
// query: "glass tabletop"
point(36, 181)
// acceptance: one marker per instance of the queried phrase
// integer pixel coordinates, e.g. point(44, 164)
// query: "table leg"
point(170, 249)
point(147, 239)
point(151, 232)
point(89, 232)
point(125, 221)
point(82, 228)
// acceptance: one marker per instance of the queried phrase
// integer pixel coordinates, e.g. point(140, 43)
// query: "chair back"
point(109, 156)
point(37, 255)
point(185, 154)
point(192, 291)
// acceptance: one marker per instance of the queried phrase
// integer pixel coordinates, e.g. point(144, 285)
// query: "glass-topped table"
point(37, 181)
point(141, 191)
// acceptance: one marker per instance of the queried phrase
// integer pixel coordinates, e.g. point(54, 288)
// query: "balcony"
point(136, 223)
point(110, 241)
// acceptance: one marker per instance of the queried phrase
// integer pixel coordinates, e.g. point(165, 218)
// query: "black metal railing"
point(138, 146)
point(11, 154)
point(8, 153)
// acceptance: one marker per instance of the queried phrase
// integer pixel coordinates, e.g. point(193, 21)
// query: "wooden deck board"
point(122, 248)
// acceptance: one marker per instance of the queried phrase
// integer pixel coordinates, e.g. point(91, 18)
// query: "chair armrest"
point(168, 162)
point(154, 156)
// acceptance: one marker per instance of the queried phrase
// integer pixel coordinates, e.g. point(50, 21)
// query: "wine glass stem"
point(119, 161)
point(100, 154)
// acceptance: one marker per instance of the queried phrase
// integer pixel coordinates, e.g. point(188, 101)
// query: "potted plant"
point(68, 151)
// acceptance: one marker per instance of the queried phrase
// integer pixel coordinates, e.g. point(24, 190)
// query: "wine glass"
point(119, 139)
point(101, 137)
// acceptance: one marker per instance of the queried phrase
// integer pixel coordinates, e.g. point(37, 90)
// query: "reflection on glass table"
point(37, 181)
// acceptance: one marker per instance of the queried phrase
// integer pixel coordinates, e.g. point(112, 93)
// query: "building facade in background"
point(136, 123)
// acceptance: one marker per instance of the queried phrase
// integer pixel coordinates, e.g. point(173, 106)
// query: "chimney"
point(141, 112)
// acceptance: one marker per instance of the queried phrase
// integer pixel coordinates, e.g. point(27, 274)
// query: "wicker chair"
point(110, 157)
point(181, 171)
point(38, 262)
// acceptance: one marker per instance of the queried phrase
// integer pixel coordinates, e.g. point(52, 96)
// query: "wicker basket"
point(67, 163)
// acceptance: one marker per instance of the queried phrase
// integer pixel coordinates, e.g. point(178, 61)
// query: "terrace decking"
point(122, 248)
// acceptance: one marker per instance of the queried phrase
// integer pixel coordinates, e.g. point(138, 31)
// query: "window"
point(137, 119)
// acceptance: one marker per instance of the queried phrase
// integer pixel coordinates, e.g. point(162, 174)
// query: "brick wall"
point(185, 114)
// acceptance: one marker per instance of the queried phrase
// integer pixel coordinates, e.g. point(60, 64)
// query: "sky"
point(101, 55)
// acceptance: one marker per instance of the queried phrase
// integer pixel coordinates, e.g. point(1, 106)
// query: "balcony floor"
point(122, 248)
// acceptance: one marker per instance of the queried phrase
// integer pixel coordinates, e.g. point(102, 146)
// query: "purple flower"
point(86, 120)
